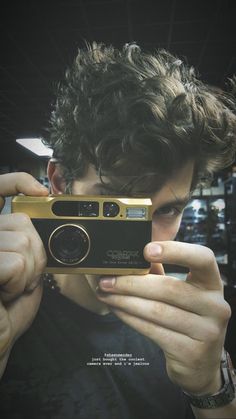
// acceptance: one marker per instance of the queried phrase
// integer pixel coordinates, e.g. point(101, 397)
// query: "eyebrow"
point(179, 201)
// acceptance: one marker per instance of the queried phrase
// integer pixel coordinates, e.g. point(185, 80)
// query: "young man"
point(125, 123)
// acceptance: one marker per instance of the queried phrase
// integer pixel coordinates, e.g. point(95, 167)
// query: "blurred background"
point(40, 38)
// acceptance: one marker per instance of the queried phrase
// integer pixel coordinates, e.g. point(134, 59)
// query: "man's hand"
point(187, 319)
point(22, 260)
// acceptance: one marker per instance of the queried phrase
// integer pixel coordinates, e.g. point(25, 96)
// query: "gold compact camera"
point(91, 234)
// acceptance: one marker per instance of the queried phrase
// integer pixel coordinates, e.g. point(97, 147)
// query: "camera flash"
point(132, 212)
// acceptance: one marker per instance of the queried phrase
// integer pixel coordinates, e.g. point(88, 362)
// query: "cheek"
point(165, 230)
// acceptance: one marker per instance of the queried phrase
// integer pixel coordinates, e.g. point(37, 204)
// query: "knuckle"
point(24, 177)
point(130, 282)
point(205, 251)
point(206, 258)
point(24, 242)
point(171, 286)
point(22, 174)
point(212, 333)
point(22, 219)
point(158, 310)
point(196, 357)
point(221, 310)
point(209, 256)
point(18, 265)
point(226, 312)
point(40, 260)
point(42, 263)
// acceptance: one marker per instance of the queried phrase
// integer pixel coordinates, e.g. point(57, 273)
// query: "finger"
point(170, 342)
point(13, 278)
point(20, 182)
point(16, 317)
point(184, 356)
point(18, 243)
point(23, 310)
point(22, 260)
point(200, 260)
point(164, 315)
point(165, 289)
point(157, 268)
point(16, 222)
point(14, 241)
point(21, 224)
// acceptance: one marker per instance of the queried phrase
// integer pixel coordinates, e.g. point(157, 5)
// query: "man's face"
point(168, 203)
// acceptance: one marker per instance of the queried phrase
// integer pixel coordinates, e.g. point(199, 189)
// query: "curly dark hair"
point(138, 118)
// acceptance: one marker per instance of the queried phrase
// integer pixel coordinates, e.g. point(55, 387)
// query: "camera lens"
point(69, 244)
point(110, 209)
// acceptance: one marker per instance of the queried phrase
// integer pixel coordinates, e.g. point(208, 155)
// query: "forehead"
point(177, 186)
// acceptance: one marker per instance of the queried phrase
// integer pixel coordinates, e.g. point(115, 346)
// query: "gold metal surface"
point(41, 207)
point(99, 271)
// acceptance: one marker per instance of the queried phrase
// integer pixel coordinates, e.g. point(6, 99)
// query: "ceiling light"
point(36, 146)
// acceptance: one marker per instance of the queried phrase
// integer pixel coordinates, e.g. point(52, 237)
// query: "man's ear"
point(55, 177)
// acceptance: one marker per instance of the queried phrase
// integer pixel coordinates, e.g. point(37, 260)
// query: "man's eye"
point(167, 212)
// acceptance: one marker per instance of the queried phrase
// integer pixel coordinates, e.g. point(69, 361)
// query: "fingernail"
point(107, 282)
point(154, 250)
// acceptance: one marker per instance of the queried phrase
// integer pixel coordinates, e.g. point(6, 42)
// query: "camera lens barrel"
point(69, 244)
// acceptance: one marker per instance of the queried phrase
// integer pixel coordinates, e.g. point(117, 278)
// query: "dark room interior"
point(40, 38)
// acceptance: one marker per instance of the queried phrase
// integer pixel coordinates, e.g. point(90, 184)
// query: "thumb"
point(157, 268)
